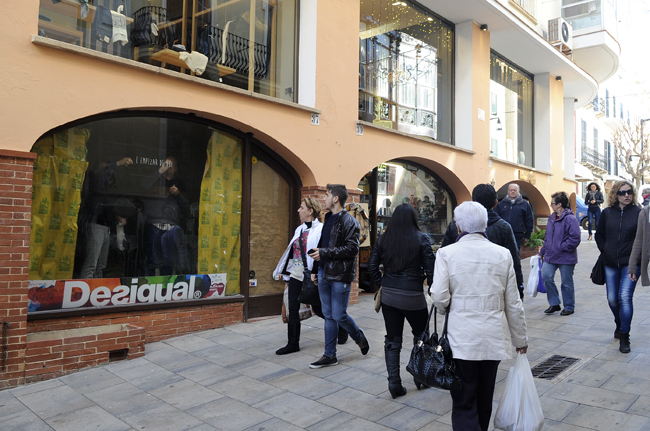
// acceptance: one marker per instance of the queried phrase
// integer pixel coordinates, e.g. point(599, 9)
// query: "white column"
point(464, 114)
point(307, 53)
point(569, 166)
point(542, 122)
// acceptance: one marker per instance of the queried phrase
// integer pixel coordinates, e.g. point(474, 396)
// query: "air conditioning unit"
point(560, 34)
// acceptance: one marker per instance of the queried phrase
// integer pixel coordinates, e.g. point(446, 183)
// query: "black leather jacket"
point(339, 257)
point(499, 232)
point(412, 277)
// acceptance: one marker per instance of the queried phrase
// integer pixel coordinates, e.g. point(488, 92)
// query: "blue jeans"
point(620, 290)
point(593, 215)
point(566, 274)
point(334, 297)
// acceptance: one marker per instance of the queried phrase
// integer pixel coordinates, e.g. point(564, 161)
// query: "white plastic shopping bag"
point(533, 277)
point(519, 408)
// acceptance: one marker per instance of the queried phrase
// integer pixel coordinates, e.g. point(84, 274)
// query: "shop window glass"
point(512, 124)
point(406, 68)
point(248, 44)
point(136, 201)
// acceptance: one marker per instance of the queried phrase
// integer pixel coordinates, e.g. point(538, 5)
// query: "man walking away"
point(337, 253)
point(517, 212)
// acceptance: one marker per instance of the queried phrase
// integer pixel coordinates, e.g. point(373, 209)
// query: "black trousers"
point(472, 405)
point(295, 287)
point(394, 321)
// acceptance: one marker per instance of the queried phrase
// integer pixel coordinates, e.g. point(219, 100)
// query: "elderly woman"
point(474, 281)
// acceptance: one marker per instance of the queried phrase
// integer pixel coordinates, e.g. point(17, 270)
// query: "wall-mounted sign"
point(542, 221)
point(527, 176)
point(45, 295)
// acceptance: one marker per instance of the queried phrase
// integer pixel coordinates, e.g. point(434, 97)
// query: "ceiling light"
point(484, 27)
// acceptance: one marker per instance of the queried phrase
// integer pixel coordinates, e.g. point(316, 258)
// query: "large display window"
point(148, 209)
point(249, 44)
point(406, 71)
point(511, 112)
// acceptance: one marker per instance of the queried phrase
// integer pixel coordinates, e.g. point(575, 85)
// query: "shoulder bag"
point(309, 293)
point(432, 361)
point(598, 272)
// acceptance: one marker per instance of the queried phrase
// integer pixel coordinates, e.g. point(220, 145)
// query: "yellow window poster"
point(220, 210)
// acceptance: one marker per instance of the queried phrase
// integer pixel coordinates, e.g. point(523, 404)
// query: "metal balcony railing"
point(593, 157)
point(211, 43)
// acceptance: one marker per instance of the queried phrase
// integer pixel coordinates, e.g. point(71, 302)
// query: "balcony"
point(594, 160)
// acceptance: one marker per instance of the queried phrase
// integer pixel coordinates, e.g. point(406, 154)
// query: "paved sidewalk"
point(231, 379)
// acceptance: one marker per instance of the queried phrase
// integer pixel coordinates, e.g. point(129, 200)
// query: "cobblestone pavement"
point(231, 379)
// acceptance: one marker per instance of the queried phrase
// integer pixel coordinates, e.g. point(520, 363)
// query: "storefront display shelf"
point(73, 8)
point(169, 56)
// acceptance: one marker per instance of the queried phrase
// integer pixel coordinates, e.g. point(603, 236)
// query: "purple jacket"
point(562, 239)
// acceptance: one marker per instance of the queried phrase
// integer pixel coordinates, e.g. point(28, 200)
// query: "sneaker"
point(324, 361)
point(363, 344)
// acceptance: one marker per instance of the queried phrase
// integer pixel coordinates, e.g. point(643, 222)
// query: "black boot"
point(617, 332)
point(343, 335)
point(293, 345)
point(625, 342)
point(391, 351)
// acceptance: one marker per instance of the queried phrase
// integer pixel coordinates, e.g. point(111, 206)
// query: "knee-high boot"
point(293, 330)
point(391, 351)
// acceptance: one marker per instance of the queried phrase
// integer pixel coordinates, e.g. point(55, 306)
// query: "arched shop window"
point(394, 183)
point(140, 209)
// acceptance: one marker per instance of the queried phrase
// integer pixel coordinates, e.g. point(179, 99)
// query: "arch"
point(537, 200)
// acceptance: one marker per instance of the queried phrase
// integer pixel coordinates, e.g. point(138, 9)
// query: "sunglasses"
point(629, 192)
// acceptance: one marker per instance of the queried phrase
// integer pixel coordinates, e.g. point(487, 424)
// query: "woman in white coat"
point(290, 268)
point(474, 280)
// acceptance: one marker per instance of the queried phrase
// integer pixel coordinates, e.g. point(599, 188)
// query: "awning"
point(583, 173)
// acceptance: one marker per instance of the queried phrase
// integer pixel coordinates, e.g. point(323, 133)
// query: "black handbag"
point(309, 293)
point(431, 361)
point(598, 272)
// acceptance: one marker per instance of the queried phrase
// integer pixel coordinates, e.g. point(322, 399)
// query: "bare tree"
point(632, 150)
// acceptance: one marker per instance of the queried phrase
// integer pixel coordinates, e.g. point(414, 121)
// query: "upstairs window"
point(249, 44)
point(583, 132)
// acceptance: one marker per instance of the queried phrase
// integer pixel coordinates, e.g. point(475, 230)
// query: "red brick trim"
point(18, 154)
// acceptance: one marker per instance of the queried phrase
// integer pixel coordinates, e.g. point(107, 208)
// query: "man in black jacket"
point(517, 212)
point(337, 256)
point(498, 230)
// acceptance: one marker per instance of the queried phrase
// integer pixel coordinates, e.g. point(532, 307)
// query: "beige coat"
point(476, 279)
point(641, 247)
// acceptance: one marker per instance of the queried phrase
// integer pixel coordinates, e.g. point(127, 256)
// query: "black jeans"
point(472, 405)
point(295, 287)
point(394, 321)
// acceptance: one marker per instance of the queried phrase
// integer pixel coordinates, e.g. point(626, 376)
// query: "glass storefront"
point(150, 209)
point(511, 112)
point(248, 44)
point(406, 60)
point(395, 183)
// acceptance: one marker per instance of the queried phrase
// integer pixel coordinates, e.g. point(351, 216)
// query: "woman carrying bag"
point(615, 237)
point(408, 260)
point(474, 281)
point(292, 265)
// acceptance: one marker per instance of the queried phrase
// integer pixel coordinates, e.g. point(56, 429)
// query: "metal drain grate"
point(117, 355)
point(552, 367)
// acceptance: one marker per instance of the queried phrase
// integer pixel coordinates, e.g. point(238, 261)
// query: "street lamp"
point(642, 167)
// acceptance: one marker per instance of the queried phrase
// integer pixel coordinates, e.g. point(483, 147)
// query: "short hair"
point(340, 191)
point(472, 217)
point(561, 198)
point(485, 195)
point(314, 205)
point(514, 184)
point(612, 197)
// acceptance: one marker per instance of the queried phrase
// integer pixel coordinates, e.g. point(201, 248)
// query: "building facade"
point(154, 153)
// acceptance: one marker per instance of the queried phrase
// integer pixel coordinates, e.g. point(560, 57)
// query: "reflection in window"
point(405, 67)
point(244, 43)
point(511, 112)
point(582, 13)
point(126, 198)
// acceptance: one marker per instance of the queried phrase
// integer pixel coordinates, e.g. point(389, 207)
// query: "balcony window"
point(511, 123)
point(405, 69)
point(595, 103)
point(249, 44)
point(583, 132)
point(595, 139)
point(607, 103)
point(614, 106)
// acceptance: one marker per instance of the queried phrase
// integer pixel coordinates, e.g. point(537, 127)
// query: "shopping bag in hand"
point(540, 287)
point(519, 408)
point(533, 277)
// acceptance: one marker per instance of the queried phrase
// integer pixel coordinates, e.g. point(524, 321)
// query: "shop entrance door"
point(271, 220)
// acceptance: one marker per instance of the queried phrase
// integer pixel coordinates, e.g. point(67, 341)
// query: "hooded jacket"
point(562, 239)
point(518, 214)
point(616, 232)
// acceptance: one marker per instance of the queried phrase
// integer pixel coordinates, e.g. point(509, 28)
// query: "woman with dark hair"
point(593, 199)
point(408, 259)
point(615, 239)
point(560, 251)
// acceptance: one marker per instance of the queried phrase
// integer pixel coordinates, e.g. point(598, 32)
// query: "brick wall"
point(47, 359)
point(318, 192)
point(15, 212)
